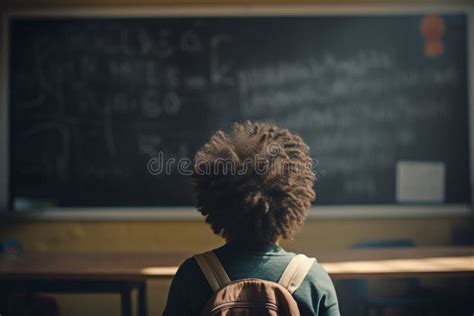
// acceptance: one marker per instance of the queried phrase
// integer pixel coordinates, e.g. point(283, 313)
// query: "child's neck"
point(276, 242)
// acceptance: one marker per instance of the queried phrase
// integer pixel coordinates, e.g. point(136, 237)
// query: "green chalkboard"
point(93, 99)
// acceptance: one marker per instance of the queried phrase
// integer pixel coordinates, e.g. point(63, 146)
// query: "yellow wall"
point(195, 236)
point(188, 236)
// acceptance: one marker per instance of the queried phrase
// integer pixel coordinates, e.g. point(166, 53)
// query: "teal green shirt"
point(190, 291)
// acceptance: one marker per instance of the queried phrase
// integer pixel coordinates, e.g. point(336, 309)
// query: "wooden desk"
point(399, 262)
point(86, 273)
point(122, 273)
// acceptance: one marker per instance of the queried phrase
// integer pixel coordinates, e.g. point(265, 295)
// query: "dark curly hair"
point(254, 182)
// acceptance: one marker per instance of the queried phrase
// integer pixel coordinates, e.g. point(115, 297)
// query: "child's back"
point(191, 291)
point(254, 186)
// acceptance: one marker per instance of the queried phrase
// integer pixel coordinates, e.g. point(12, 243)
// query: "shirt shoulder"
point(318, 277)
point(188, 267)
point(189, 290)
point(317, 293)
point(189, 273)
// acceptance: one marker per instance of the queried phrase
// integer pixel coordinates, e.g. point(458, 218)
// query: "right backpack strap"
point(295, 272)
point(212, 269)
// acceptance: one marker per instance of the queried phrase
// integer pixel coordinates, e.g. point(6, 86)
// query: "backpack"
point(252, 296)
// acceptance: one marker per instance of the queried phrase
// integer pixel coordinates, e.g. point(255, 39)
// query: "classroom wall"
point(189, 236)
point(195, 236)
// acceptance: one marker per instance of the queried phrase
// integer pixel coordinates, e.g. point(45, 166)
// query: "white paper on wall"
point(420, 181)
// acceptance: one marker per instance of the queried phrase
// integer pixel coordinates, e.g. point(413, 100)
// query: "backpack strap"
point(212, 269)
point(295, 272)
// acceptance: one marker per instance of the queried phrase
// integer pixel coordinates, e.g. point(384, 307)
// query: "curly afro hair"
point(254, 182)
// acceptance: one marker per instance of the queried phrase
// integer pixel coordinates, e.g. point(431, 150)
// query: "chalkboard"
point(94, 100)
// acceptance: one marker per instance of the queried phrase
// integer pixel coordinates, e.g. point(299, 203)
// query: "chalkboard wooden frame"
point(188, 213)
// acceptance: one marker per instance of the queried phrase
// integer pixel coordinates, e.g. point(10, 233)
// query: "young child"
point(254, 185)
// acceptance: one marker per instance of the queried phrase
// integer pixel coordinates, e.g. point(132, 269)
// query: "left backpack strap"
point(212, 269)
point(295, 272)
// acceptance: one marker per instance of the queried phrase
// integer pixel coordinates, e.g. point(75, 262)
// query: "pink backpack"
point(252, 296)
